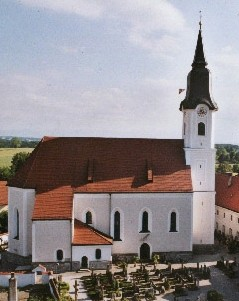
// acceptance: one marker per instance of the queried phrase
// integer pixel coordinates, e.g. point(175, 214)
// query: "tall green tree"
point(18, 161)
point(16, 142)
point(3, 221)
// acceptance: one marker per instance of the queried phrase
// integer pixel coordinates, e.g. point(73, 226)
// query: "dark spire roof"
point(199, 58)
point(198, 81)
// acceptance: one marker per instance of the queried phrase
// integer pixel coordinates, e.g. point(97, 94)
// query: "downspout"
point(110, 206)
point(71, 243)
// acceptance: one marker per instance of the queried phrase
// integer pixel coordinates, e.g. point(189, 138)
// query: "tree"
point(3, 221)
point(16, 142)
point(224, 167)
point(18, 161)
point(5, 173)
point(236, 168)
point(156, 259)
point(213, 295)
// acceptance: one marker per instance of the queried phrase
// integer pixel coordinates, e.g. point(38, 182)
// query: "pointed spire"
point(198, 81)
point(199, 58)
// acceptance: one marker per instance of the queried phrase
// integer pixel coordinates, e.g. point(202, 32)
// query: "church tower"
point(198, 109)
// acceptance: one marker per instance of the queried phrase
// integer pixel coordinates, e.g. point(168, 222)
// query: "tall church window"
point(59, 255)
point(145, 222)
point(16, 224)
point(88, 218)
point(173, 222)
point(223, 229)
point(201, 129)
point(117, 226)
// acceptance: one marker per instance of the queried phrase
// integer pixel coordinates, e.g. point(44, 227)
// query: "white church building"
point(83, 200)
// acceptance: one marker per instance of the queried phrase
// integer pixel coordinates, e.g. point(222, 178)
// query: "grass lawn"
point(6, 154)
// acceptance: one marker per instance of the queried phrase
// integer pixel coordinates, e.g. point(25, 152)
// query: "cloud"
point(68, 49)
point(154, 25)
point(227, 57)
point(85, 8)
point(36, 109)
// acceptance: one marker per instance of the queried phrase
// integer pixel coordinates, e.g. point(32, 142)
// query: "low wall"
point(99, 265)
point(22, 279)
point(204, 249)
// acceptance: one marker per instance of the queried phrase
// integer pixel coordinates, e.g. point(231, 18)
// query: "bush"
point(213, 295)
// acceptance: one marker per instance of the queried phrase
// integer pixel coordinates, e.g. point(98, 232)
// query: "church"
point(81, 201)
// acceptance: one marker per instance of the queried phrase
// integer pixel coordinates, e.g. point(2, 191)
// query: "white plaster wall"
point(89, 251)
point(161, 205)
point(23, 200)
point(231, 220)
point(202, 164)
point(98, 204)
point(22, 279)
point(48, 237)
point(191, 137)
point(203, 217)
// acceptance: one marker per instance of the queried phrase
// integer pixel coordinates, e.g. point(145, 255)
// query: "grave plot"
point(144, 283)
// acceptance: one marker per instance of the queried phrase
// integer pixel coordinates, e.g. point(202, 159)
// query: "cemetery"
point(144, 281)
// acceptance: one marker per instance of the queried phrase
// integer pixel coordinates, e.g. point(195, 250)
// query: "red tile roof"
point(227, 196)
point(3, 193)
point(63, 166)
point(87, 235)
point(54, 204)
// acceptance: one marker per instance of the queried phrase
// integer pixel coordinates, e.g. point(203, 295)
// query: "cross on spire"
point(200, 22)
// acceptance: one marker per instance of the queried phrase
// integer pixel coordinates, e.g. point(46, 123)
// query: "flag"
point(180, 90)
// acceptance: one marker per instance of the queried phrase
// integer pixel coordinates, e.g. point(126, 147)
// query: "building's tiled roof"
point(87, 235)
point(59, 167)
point(227, 191)
point(3, 193)
point(54, 204)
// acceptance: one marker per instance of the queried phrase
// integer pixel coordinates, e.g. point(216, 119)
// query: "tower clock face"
point(202, 111)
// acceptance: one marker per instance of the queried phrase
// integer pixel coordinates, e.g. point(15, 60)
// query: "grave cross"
point(76, 289)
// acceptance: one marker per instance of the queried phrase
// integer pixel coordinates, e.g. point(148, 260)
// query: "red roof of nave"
point(227, 191)
point(3, 193)
point(59, 167)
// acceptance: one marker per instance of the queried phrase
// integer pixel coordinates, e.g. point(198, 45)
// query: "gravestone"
point(12, 290)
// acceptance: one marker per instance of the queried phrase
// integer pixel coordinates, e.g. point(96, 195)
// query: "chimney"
point(229, 183)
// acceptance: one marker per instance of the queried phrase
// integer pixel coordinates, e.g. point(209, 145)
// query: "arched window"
point(59, 255)
point(88, 218)
point(84, 262)
point(16, 224)
point(201, 129)
point(173, 222)
point(98, 253)
point(117, 226)
point(223, 229)
point(145, 222)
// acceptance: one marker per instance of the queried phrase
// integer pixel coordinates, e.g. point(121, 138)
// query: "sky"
point(113, 68)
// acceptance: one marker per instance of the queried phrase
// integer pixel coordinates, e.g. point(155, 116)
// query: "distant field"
point(6, 154)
